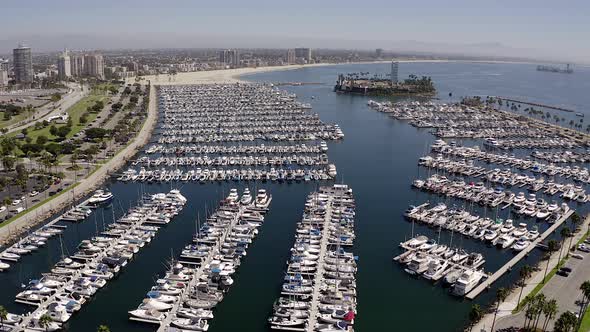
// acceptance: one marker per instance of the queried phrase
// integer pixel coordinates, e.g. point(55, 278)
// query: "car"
point(2, 208)
point(34, 193)
point(584, 248)
point(19, 209)
point(578, 256)
point(51, 193)
point(566, 269)
point(562, 273)
point(16, 202)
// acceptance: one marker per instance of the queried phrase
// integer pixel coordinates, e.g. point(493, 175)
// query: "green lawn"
point(14, 119)
point(585, 326)
point(75, 112)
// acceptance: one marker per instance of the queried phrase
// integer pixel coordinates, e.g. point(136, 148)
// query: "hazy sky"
point(544, 28)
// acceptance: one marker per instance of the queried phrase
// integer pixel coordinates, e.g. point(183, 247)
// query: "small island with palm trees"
point(362, 83)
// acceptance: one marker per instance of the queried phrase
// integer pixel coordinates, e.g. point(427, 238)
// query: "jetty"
point(319, 289)
point(511, 263)
point(557, 108)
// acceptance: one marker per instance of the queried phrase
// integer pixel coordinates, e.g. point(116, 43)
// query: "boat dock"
point(489, 281)
point(319, 289)
point(102, 257)
point(557, 108)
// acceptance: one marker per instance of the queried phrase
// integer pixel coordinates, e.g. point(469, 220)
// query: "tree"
point(501, 295)
point(525, 272)
point(551, 248)
point(565, 322)
point(549, 310)
point(564, 232)
point(53, 130)
point(575, 221)
point(3, 315)
point(103, 328)
point(475, 315)
point(585, 288)
point(93, 133)
point(44, 322)
point(41, 139)
point(56, 97)
point(539, 304)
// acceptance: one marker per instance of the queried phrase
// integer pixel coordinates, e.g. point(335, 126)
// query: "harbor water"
point(377, 158)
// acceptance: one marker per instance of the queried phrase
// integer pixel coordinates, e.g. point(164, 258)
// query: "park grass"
point(585, 326)
point(75, 112)
point(14, 119)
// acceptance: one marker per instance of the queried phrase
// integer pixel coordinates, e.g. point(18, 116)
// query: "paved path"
point(553, 289)
point(66, 102)
point(90, 183)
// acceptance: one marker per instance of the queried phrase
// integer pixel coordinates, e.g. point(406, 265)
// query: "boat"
point(436, 269)
point(467, 281)
point(100, 197)
point(150, 315)
point(191, 324)
point(521, 244)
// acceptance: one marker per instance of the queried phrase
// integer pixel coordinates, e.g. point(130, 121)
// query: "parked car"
point(566, 269)
point(16, 202)
point(2, 208)
point(562, 273)
point(578, 256)
point(584, 248)
point(34, 193)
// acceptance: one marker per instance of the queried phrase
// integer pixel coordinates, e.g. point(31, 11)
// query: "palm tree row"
point(538, 306)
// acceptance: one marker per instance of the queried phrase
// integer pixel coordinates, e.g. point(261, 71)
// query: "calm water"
point(377, 158)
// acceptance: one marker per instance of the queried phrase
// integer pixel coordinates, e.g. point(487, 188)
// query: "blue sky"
point(541, 27)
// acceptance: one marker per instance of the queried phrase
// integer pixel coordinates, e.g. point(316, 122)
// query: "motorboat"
point(520, 230)
point(467, 281)
point(100, 197)
point(505, 241)
point(436, 269)
point(521, 244)
point(195, 313)
point(148, 314)
point(191, 324)
point(507, 227)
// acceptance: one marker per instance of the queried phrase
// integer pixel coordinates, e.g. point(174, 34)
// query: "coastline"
point(225, 76)
point(84, 186)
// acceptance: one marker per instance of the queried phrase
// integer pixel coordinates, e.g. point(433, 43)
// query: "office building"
point(3, 78)
point(77, 65)
point(291, 56)
point(94, 66)
point(23, 65)
point(378, 52)
point(64, 67)
point(303, 53)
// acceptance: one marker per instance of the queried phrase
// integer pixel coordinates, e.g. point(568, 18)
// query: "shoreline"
point(85, 186)
point(239, 75)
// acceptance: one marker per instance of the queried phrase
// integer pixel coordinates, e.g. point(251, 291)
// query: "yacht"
point(521, 244)
point(436, 269)
point(58, 312)
point(507, 227)
point(150, 315)
point(100, 197)
point(418, 264)
point(467, 281)
point(533, 233)
point(505, 241)
point(191, 324)
point(520, 230)
point(246, 197)
point(262, 199)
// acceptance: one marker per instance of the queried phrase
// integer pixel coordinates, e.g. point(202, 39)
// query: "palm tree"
point(501, 295)
point(103, 328)
point(3, 315)
point(475, 315)
point(549, 310)
point(539, 305)
point(525, 272)
point(565, 232)
point(44, 322)
point(551, 247)
point(565, 322)
point(585, 288)
point(575, 221)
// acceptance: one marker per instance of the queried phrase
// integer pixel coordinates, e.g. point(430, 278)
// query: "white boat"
point(436, 269)
point(467, 281)
point(418, 264)
point(521, 244)
point(195, 313)
point(191, 324)
point(151, 315)
point(100, 197)
point(520, 230)
point(505, 241)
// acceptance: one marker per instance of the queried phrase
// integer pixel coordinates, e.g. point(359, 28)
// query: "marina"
point(186, 296)
point(75, 279)
point(319, 289)
point(378, 159)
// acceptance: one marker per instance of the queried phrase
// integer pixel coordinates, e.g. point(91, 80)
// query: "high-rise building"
point(4, 64)
point(378, 52)
point(94, 65)
point(77, 65)
point(23, 65)
point(229, 57)
point(394, 69)
point(64, 67)
point(290, 56)
point(3, 78)
point(304, 53)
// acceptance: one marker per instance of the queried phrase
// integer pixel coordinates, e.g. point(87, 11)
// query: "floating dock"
point(489, 281)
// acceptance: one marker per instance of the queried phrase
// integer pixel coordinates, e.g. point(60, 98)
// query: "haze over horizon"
point(540, 30)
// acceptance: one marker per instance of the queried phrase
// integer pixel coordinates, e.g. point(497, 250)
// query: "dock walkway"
point(506, 267)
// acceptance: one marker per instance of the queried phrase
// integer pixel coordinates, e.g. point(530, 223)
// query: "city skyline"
point(494, 29)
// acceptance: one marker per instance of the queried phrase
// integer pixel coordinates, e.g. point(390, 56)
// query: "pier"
point(557, 108)
point(489, 281)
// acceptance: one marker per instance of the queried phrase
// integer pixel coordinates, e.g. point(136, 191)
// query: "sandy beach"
point(233, 75)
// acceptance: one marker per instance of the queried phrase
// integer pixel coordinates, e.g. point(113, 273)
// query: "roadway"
point(67, 101)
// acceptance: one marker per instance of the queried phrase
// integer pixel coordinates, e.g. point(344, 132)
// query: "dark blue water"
point(377, 158)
